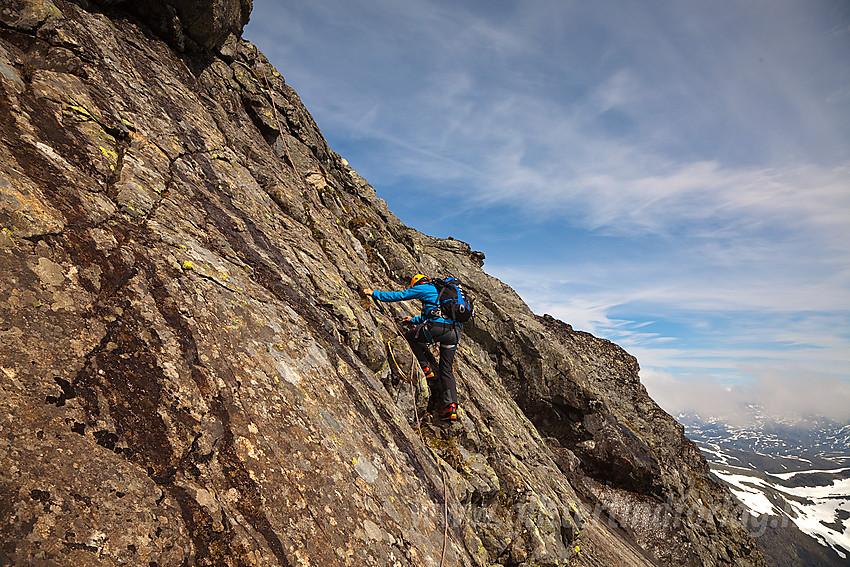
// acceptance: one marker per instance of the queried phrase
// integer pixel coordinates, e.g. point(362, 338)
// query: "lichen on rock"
point(190, 375)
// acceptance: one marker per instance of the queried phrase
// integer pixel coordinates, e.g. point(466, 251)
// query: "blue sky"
point(671, 175)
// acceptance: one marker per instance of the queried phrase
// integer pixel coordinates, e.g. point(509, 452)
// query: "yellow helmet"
point(418, 279)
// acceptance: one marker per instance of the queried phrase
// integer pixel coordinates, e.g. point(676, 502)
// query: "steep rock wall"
point(190, 377)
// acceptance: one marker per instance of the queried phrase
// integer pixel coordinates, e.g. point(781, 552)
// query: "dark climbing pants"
point(443, 385)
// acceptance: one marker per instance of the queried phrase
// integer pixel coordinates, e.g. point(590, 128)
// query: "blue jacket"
point(426, 293)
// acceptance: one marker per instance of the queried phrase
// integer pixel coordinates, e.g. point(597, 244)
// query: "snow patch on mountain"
point(750, 491)
point(819, 511)
point(789, 475)
point(784, 472)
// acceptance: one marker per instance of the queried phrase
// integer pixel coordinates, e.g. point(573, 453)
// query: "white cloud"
point(784, 391)
point(695, 338)
point(465, 105)
point(630, 197)
point(688, 283)
point(716, 133)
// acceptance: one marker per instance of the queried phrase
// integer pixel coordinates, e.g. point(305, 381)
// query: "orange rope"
point(409, 380)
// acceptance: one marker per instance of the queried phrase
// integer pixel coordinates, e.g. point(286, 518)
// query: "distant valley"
point(792, 477)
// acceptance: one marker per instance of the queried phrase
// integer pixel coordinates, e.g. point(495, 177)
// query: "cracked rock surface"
point(189, 375)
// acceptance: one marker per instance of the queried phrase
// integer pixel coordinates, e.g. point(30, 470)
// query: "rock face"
point(189, 23)
point(190, 377)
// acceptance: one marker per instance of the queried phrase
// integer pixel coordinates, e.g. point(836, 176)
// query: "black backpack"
point(454, 302)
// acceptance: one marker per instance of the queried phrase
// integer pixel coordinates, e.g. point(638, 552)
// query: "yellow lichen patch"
point(81, 110)
point(111, 154)
point(6, 239)
point(78, 105)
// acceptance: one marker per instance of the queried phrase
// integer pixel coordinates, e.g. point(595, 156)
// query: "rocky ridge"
point(190, 376)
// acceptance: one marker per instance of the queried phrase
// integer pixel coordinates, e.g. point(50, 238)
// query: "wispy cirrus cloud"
point(672, 176)
point(702, 332)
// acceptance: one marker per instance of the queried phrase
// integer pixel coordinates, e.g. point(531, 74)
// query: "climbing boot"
point(429, 374)
point(450, 413)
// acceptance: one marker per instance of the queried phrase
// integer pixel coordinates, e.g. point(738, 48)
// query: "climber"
point(430, 328)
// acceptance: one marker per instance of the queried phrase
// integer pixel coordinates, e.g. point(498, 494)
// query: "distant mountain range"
point(792, 477)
